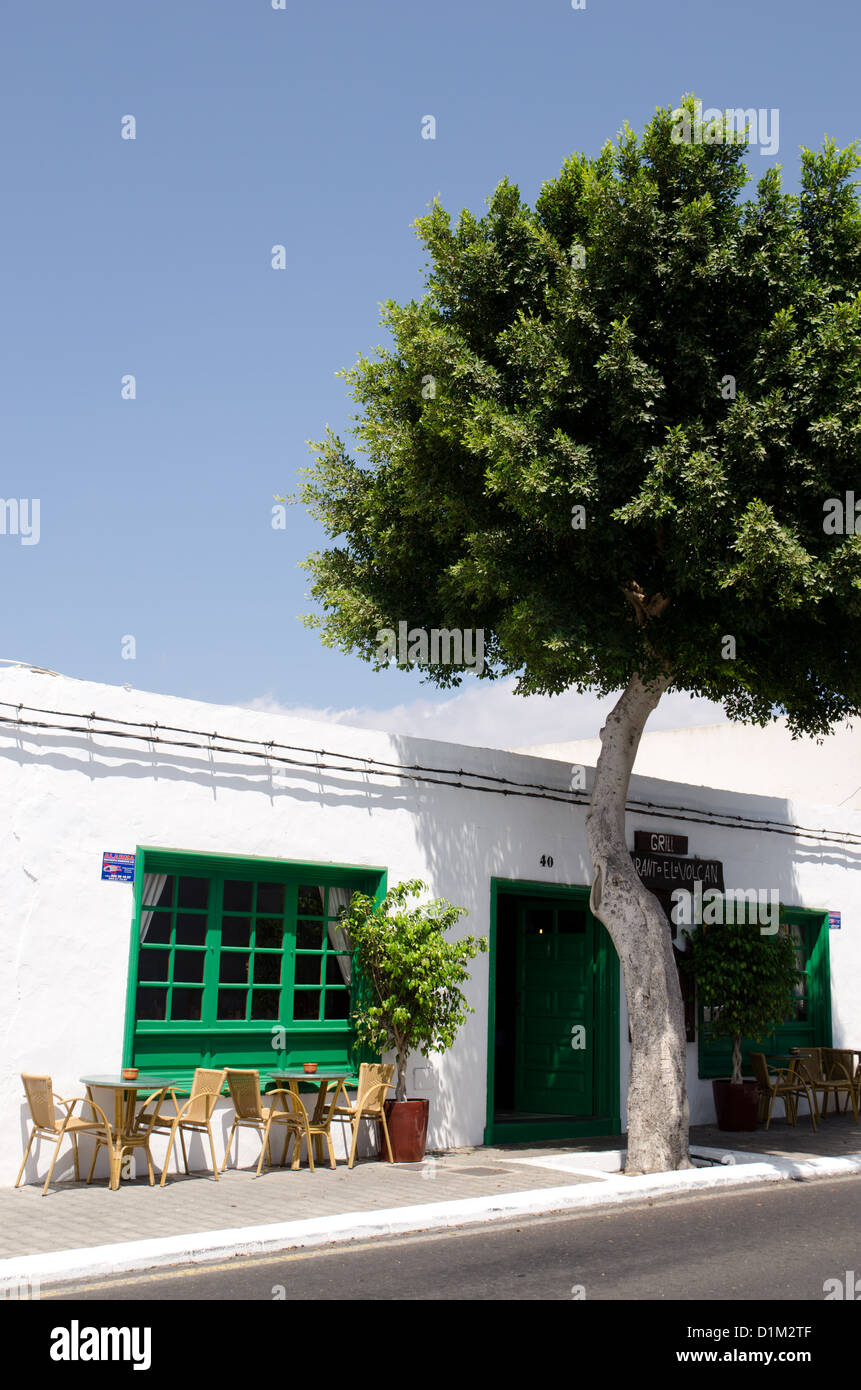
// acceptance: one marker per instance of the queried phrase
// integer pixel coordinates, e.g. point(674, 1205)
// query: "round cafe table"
point(125, 1099)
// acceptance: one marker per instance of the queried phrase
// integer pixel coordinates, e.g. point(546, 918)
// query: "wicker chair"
point(785, 1086)
point(43, 1112)
point(838, 1066)
point(193, 1117)
point(251, 1113)
point(374, 1080)
point(837, 1081)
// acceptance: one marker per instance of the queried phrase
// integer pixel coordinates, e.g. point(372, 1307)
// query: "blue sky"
point(299, 126)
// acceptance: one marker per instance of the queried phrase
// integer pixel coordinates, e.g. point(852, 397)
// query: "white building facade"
point(248, 831)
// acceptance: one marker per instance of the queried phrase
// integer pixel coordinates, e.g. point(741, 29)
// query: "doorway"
point(553, 1067)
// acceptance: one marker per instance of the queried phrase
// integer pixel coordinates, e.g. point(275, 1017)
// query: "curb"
point(610, 1190)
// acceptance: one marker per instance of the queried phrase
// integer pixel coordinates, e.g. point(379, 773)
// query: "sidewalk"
point(78, 1232)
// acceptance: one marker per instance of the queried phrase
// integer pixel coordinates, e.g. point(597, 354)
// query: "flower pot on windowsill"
point(736, 1105)
point(407, 1123)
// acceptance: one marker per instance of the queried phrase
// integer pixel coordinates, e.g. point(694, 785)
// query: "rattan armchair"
point(837, 1063)
point(374, 1080)
point(193, 1117)
point(43, 1103)
point(837, 1081)
point(785, 1085)
point(251, 1113)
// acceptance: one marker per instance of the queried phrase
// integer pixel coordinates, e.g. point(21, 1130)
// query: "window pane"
point(236, 931)
point(337, 1003)
point(186, 1003)
point(157, 929)
point(188, 966)
point(309, 936)
point(151, 896)
point(264, 1003)
point(306, 1004)
point(234, 967)
point(269, 933)
point(190, 929)
point(334, 975)
point(308, 970)
point(270, 898)
point(151, 1003)
point(310, 902)
point(153, 965)
point(267, 970)
point(231, 1004)
point(193, 892)
point(238, 896)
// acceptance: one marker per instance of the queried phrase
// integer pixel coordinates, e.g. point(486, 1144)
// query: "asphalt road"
point(775, 1242)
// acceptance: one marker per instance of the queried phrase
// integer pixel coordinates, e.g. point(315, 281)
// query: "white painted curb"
point(129, 1257)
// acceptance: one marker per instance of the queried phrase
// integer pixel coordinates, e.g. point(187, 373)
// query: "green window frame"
point(240, 961)
point(811, 1025)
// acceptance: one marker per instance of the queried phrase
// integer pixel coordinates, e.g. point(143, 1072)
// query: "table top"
point(113, 1081)
point(323, 1074)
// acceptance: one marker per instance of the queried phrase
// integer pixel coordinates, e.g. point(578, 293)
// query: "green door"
point(554, 1047)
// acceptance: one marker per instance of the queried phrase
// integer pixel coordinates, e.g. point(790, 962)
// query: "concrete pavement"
point(78, 1232)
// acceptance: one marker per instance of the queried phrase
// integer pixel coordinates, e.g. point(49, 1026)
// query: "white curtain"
point(339, 937)
point(153, 887)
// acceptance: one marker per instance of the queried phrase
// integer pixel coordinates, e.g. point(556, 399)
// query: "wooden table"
point(322, 1079)
point(125, 1098)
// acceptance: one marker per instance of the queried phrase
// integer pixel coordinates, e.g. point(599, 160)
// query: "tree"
point(745, 978)
point(409, 976)
point(675, 371)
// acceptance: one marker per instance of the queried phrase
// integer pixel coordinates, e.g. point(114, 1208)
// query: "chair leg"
point(227, 1150)
point(96, 1147)
point(386, 1133)
point(212, 1150)
point(166, 1165)
point(184, 1154)
point(53, 1161)
point(355, 1142)
point(26, 1156)
point(149, 1166)
point(75, 1151)
point(332, 1163)
point(285, 1146)
point(310, 1142)
point(264, 1149)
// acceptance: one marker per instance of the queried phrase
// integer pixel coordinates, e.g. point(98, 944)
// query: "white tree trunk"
point(657, 1098)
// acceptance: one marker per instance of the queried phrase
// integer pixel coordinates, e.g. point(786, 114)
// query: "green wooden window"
point(810, 1025)
point(240, 961)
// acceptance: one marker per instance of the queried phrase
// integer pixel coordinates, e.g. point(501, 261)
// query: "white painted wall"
point(65, 797)
point(741, 757)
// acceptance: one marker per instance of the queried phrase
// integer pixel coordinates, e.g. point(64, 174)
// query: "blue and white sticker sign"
point(119, 867)
point(834, 921)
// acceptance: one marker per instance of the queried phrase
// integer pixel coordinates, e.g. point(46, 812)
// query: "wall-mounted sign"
point(834, 921)
point(659, 842)
point(672, 871)
point(119, 867)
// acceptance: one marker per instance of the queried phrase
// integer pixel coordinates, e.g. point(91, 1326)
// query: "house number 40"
point(546, 861)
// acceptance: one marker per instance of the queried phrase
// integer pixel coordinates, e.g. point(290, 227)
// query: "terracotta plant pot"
point(130, 1073)
point(309, 1067)
point(407, 1122)
point(736, 1106)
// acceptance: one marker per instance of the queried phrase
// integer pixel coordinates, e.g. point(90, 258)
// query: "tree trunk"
point(736, 1059)
point(657, 1098)
point(401, 1092)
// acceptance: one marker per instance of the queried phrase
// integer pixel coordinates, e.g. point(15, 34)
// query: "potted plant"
point(747, 978)
point(408, 995)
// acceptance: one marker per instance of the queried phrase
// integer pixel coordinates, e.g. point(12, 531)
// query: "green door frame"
point(607, 1119)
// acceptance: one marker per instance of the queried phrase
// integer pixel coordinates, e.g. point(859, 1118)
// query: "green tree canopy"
point(577, 354)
